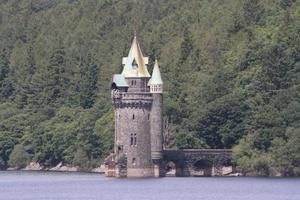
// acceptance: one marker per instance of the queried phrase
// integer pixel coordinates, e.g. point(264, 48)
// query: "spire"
point(156, 82)
point(156, 77)
point(135, 63)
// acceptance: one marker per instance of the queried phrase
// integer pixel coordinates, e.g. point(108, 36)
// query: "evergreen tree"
point(6, 89)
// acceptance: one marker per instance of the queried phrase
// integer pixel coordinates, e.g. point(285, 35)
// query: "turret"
point(156, 83)
point(156, 88)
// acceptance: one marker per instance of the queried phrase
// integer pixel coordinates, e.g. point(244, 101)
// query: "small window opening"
point(134, 64)
point(131, 139)
point(133, 161)
point(135, 139)
point(120, 148)
point(148, 116)
point(133, 117)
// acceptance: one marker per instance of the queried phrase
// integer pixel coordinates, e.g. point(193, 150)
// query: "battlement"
point(131, 98)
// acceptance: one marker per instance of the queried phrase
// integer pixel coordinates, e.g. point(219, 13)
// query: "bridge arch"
point(200, 162)
point(170, 168)
point(202, 167)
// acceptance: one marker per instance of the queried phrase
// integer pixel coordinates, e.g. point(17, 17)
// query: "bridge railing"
point(200, 150)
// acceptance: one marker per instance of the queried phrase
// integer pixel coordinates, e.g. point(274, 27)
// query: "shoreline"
point(33, 166)
point(168, 176)
point(37, 171)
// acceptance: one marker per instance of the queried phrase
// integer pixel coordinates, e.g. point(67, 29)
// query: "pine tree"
point(88, 84)
point(6, 88)
point(55, 78)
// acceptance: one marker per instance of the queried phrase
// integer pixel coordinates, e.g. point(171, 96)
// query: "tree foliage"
point(19, 157)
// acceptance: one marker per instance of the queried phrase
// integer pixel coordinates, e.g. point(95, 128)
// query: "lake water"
point(83, 186)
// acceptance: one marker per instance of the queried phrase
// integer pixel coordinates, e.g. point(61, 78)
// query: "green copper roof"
point(156, 77)
point(119, 80)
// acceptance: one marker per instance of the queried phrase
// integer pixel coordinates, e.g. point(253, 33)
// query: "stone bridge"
point(198, 162)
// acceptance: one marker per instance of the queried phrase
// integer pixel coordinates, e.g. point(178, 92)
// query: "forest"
point(231, 71)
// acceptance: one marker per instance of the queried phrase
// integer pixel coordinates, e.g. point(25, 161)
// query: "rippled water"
point(49, 185)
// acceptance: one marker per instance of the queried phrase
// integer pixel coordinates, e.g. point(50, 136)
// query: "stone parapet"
point(132, 99)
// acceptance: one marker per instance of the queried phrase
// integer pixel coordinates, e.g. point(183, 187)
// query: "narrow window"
point(133, 117)
point(148, 116)
point(133, 161)
point(132, 82)
point(120, 148)
point(131, 139)
point(135, 139)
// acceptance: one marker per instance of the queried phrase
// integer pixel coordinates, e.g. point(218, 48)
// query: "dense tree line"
point(231, 71)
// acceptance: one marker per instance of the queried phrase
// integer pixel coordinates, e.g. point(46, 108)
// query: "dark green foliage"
point(81, 159)
point(231, 72)
point(6, 88)
point(19, 157)
point(185, 140)
point(88, 82)
point(56, 79)
point(253, 11)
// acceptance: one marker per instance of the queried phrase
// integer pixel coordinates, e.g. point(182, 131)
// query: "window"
point(133, 117)
point(133, 82)
point(134, 64)
point(133, 161)
point(135, 139)
point(120, 148)
point(131, 139)
point(148, 116)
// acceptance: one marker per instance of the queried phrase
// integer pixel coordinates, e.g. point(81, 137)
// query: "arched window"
point(133, 161)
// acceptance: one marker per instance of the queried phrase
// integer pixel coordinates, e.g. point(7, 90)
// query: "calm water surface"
point(75, 186)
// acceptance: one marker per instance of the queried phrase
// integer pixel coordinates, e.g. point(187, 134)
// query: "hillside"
point(231, 70)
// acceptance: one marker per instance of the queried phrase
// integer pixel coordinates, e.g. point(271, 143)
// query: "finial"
point(135, 33)
point(156, 62)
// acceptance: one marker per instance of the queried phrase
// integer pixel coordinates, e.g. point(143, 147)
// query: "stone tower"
point(137, 101)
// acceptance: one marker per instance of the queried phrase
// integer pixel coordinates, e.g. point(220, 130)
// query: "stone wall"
point(132, 132)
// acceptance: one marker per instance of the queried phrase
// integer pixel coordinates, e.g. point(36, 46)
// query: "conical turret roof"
point(135, 63)
point(156, 77)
